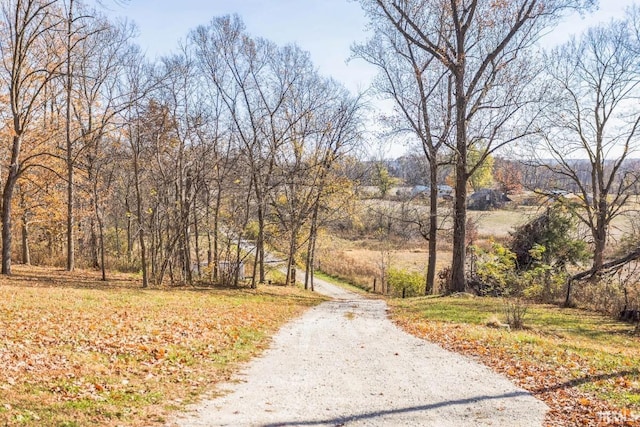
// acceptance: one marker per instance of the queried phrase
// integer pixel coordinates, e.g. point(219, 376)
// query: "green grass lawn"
point(581, 363)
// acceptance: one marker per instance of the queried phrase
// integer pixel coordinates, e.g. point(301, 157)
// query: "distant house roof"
point(487, 198)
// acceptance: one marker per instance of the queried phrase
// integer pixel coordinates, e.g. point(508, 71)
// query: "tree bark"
point(26, 253)
point(216, 235)
point(103, 268)
point(433, 226)
point(139, 212)
point(308, 276)
point(7, 198)
point(24, 220)
point(129, 233)
point(600, 234)
point(69, 152)
point(196, 243)
point(458, 279)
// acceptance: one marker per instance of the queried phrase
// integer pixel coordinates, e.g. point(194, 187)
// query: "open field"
point(77, 351)
point(583, 365)
point(360, 260)
point(498, 223)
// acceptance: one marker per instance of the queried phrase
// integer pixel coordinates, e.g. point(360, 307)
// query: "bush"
point(543, 284)
point(548, 238)
point(515, 310)
point(494, 272)
point(412, 283)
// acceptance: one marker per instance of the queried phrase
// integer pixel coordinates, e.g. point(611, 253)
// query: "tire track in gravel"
point(343, 363)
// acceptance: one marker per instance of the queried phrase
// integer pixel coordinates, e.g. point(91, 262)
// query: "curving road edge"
point(343, 363)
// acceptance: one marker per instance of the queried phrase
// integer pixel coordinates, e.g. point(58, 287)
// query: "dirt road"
point(345, 364)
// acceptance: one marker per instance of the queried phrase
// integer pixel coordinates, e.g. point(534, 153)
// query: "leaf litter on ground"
point(77, 351)
point(584, 381)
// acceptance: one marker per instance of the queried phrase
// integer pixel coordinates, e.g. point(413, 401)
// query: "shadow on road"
point(372, 415)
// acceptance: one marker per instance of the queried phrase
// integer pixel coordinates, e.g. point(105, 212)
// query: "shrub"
point(515, 310)
point(494, 271)
point(412, 283)
point(543, 284)
point(553, 232)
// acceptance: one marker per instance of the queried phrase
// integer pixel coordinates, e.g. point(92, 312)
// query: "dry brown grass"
point(359, 262)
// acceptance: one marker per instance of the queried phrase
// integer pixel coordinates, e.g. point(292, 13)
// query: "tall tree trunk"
point(209, 234)
point(69, 159)
point(197, 241)
point(7, 198)
point(433, 226)
point(458, 279)
point(260, 199)
point(308, 274)
point(216, 235)
point(184, 191)
point(70, 218)
point(260, 243)
point(600, 235)
point(116, 233)
point(129, 233)
point(94, 243)
point(186, 243)
point(186, 254)
point(139, 212)
point(102, 257)
point(238, 260)
point(291, 261)
point(311, 249)
point(6, 228)
point(312, 260)
point(26, 253)
point(99, 244)
point(308, 264)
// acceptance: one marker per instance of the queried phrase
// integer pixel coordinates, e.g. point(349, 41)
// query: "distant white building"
point(444, 191)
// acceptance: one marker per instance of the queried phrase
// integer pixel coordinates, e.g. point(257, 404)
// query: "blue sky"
point(325, 28)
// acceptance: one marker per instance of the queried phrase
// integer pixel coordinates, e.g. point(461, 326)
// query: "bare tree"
point(422, 91)
point(590, 128)
point(322, 123)
point(69, 141)
point(101, 57)
point(339, 135)
point(481, 45)
point(138, 82)
point(253, 85)
point(30, 60)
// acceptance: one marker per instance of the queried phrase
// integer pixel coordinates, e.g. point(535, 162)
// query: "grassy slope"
point(582, 364)
point(76, 351)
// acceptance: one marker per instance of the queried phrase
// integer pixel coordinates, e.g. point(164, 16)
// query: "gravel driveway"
point(345, 364)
